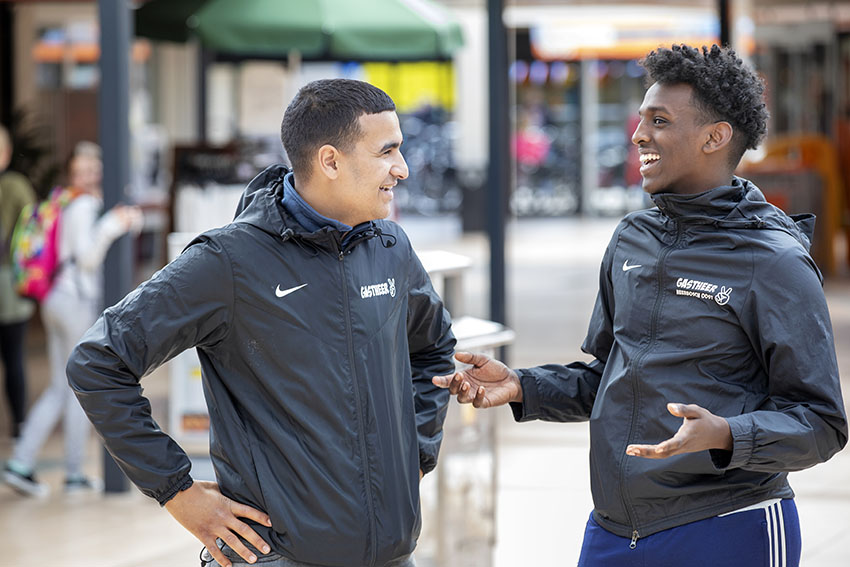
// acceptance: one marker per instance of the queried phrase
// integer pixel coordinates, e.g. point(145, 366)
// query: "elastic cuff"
point(181, 485)
point(428, 451)
point(743, 441)
point(529, 409)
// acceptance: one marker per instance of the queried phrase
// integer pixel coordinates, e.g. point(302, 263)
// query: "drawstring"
point(387, 240)
point(390, 238)
point(289, 234)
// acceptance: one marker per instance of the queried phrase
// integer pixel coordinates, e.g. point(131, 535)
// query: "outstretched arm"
point(486, 383)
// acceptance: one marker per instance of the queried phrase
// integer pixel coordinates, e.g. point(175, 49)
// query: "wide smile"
point(648, 160)
point(387, 189)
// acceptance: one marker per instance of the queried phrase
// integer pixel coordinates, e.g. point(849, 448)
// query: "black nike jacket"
point(316, 358)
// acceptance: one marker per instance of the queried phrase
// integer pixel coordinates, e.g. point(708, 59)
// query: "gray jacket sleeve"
point(431, 344)
point(802, 421)
point(187, 303)
point(566, 393)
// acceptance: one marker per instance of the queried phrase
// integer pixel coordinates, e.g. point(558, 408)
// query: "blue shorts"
point(764, 537)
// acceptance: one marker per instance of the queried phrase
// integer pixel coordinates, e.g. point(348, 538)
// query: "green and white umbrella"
point(366, 30)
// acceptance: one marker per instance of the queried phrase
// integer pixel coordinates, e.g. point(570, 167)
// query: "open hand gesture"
point(700, 430)
point(487, 383)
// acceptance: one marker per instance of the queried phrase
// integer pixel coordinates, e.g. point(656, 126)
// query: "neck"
point(705, 183)
point(318, 196)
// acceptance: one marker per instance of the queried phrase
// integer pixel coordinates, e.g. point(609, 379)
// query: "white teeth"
point(646, 158)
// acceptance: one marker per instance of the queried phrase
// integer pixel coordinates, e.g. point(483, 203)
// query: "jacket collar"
point(719, 202)
point(738, 205)
point(308, 217)
point(262, 206)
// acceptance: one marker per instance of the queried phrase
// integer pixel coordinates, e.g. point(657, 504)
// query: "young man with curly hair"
point(714, 371)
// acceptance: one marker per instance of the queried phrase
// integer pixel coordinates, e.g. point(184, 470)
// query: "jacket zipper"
point(364, 456)
point(653, 329)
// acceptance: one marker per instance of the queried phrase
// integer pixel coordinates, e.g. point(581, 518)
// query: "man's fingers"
point(662, 450)
point(685, 410)
point(442, 381)
point(479, 399)
point(456, 385)
point(475, 359)
point(464, 357)
point(216, 553)
point(245, 511)
point(253, 537)
point(236, 545)
point(465, 394)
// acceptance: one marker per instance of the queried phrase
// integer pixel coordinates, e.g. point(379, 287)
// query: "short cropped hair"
point(723, 89)
point(327, 112)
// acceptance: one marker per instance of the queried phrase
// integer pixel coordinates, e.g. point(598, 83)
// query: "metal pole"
point(204, 59)
point(7, 59)
point(589, 134)
point(724, 14)
point(114, 110)
point(498, 168)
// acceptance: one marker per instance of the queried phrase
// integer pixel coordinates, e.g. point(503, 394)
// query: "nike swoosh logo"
point(626, 266)
point(284, 292)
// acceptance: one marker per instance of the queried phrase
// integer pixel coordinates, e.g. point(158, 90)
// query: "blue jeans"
point(767, 537)
point(276, 560)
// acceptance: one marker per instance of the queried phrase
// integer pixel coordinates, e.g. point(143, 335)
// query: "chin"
point(652, 188)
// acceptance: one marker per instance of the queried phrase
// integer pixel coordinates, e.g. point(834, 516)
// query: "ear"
point(327, 158)
point(718, 137)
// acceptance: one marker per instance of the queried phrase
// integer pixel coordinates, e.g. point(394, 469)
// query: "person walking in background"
point(71, 306)
point(15, 311)
point(318, 333)
point(714, 371)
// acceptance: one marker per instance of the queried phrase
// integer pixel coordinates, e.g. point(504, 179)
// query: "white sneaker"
point(23, 484)
point(82, 484)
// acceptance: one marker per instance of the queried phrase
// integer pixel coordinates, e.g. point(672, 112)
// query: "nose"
point(639, 135)
point(399, 169)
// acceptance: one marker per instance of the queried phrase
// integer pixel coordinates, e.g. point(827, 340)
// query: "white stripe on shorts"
point(775, 534)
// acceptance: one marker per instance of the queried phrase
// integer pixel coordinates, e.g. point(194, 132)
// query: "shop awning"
point(377, 30)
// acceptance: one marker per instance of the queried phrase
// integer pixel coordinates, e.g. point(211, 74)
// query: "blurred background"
point(517, 117)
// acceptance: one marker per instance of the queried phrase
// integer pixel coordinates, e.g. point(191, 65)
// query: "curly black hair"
point(724, 89)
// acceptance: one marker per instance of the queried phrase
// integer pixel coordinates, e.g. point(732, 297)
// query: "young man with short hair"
point(714, 371)
point(318, 333)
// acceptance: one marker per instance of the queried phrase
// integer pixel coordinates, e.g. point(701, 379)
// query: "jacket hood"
point(254, 207)
point(739, 205)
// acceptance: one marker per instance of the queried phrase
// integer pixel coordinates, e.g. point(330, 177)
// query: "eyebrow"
point(653, 109)
point(389, 146)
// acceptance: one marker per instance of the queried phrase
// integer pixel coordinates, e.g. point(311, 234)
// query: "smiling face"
point(369, 171)
point(678, 147)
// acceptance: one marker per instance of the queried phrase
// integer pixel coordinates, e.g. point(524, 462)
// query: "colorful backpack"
point(35, 244)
